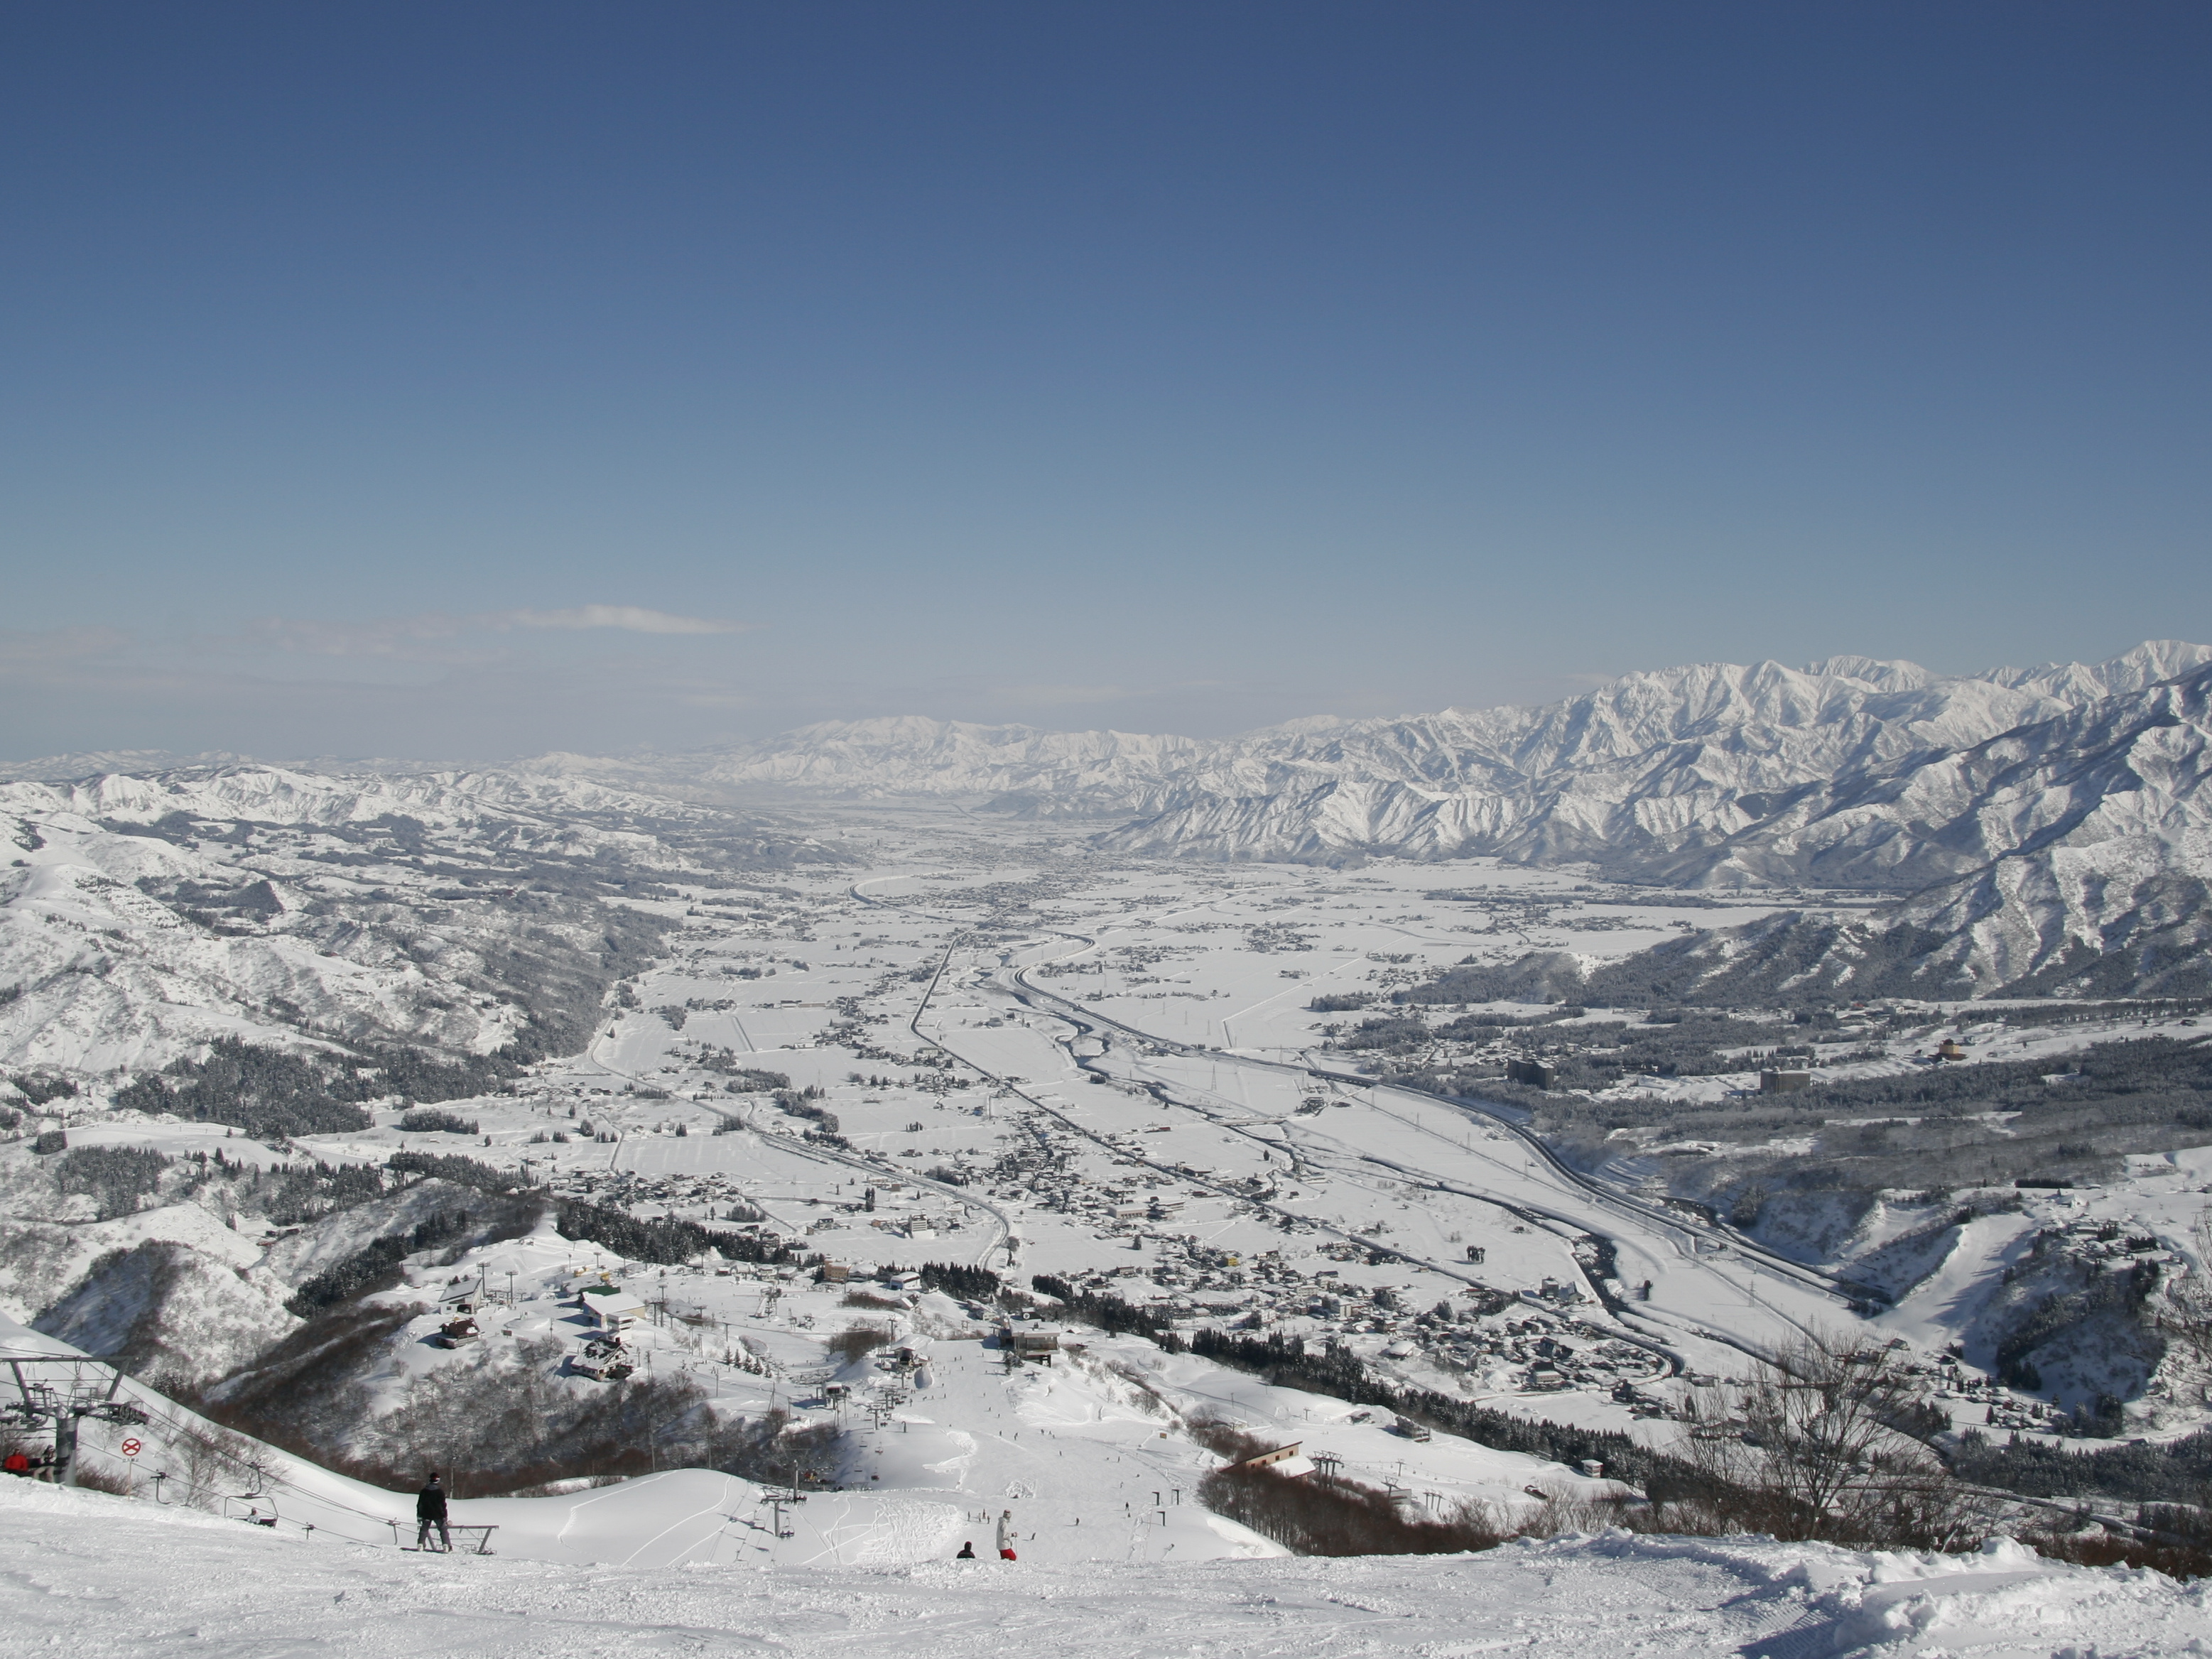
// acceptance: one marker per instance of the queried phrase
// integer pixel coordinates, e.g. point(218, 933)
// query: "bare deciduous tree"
point(856, 1342)
point(213, 1463)
point(1816, 1444)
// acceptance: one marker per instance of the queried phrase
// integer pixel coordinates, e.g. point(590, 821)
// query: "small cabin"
point(1780, 1081)
point(1290, 1460)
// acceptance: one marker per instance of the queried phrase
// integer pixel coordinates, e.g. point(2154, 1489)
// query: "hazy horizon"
point(129, 759)
point(453, 383)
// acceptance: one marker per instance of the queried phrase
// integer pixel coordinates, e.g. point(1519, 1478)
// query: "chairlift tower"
point(778, 1501)
point(65, 1390)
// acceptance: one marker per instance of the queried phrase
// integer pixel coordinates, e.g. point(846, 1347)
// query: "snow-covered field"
point(94, 1576)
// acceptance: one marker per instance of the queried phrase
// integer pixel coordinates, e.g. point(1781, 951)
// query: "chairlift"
point(250, 1506)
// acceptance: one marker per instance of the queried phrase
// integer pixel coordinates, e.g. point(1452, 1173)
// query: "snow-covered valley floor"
point(1021, 1055)
point(91, 1576)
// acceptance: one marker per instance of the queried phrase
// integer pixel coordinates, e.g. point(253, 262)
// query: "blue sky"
point(457, 380)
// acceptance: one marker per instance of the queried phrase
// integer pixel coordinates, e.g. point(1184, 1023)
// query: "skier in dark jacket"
point(430, 1511)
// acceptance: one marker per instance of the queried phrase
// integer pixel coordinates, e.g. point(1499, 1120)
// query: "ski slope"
point(99, 1577)
point(1093, 1455)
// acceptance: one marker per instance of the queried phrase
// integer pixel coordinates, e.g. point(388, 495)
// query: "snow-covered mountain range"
point(2071, 855)
point(1635, 771)
point(1630, 776)
point(2046, 826)
point(2045, 823)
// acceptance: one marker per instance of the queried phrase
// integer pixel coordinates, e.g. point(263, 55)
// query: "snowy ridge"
point(109, 977)
point(2073, 854)
point(2127, 767)
point(66, 768)
point(172, 1310)
point(278, 795)
point(143, 914)
point(1648, 766)
point(40, 1257)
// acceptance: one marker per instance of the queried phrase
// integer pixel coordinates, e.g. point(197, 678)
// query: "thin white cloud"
point(630, 618)
point(440, 635)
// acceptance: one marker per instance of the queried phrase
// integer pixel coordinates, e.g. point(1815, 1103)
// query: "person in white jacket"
point(1006, 1536)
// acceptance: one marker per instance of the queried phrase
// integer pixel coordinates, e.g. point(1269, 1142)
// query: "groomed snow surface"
point(90, 1576)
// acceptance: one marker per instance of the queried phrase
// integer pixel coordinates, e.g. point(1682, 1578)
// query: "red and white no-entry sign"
point(131, 1449)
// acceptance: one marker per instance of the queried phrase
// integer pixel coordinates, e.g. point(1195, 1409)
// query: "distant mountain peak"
point(1891, 674)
